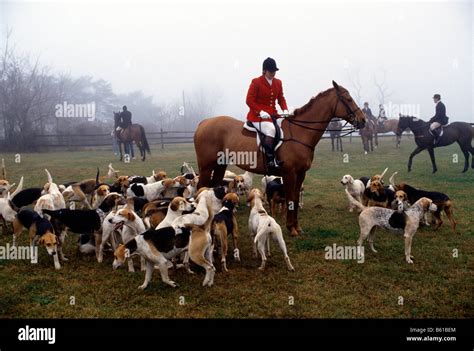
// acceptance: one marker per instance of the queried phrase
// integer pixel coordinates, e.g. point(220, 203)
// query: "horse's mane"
point(412, 117)
point(310, 103)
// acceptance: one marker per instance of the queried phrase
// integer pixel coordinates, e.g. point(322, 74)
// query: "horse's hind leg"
point(142, 150)
point(340, 142)
point(471, 150)
point(465, 150)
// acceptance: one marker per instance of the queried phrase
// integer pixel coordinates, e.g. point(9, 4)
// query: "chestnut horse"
point(389, 125)
point(302, 131)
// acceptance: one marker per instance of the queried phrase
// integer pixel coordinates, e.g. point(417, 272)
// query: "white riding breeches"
point(266, 128)
point(435, 125)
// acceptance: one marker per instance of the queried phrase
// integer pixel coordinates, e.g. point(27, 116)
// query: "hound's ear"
point(250, 197)
point(130, 216)
point(174, 205)
point(334, 84)
point(41, 241)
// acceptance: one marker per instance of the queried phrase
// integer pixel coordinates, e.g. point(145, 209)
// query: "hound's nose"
point(53, 253)
point(110, 220)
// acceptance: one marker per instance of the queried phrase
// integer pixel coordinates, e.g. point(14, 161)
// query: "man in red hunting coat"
point(262, 95)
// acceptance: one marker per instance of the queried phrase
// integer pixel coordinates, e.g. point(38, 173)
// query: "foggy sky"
point(167, 47)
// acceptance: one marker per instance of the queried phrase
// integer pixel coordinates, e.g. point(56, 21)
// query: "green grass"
point(436, 285)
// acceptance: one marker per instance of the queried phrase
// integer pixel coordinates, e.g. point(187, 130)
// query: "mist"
point(411, 50)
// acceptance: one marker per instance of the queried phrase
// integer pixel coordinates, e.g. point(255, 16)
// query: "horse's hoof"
point(434, 171)
point(465, 170)
point(300, 231)
point(294, 232)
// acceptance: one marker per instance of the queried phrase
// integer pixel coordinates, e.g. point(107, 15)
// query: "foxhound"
point(406, 222)
point(151, 191)
point(41, 231)
point(377, 194)
point(262, 227)
point(441, 200)
point(176, 208)
point(160, 246)
point(355, 187)
point(129, 225)
point(8, 209)
point(82, 191)
point(52, 198)
point(224, 224)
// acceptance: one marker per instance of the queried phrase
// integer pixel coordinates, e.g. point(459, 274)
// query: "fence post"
point(161, 139)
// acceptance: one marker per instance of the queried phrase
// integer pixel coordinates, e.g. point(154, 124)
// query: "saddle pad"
point(254, 130)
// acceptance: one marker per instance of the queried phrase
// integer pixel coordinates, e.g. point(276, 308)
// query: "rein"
point(301, 124)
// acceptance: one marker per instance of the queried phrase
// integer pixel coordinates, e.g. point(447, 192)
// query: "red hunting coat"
point(262, 96)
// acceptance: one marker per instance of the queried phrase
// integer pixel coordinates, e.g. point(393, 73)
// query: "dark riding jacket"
point(126, 117)
point(440, 115)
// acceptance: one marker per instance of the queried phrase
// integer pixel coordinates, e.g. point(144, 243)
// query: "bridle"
point(349, 118)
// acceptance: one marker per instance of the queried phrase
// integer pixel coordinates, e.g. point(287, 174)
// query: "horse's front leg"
point(120, 150)
point(432, 157)
point(299, 184)
point(292, 199)
point(413, 154)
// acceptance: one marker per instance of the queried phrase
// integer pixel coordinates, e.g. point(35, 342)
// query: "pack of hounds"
point(399, 208)
point(167, 222)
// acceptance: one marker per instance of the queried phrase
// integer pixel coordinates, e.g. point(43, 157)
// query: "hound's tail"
point(145, 140)
point(383, 173)
point(392, 180)
point(354, 201)
point(50, 178)
point(97, 181)
point(18, 188)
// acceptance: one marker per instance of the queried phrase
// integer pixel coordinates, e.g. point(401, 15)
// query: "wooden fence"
point(101, 140)
point(162, 138)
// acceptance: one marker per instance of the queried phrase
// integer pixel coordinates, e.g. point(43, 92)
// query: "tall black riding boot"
point(436, 132)
point(267, 144)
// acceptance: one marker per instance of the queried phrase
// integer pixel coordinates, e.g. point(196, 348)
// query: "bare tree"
point(353, 76)
point(381, 86)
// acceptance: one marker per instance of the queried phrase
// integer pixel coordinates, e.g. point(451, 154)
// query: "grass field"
point(437, 285)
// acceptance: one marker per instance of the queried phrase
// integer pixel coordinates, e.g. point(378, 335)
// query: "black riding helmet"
point(270, 65)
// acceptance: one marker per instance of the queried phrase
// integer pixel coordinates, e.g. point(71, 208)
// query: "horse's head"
point(346, 108)
point(116, 118)
point(405, 122)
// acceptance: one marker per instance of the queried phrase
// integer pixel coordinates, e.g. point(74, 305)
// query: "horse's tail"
point(145, 144)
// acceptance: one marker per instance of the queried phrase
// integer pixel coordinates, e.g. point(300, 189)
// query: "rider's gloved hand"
point(285, 113)
point(264, 114)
